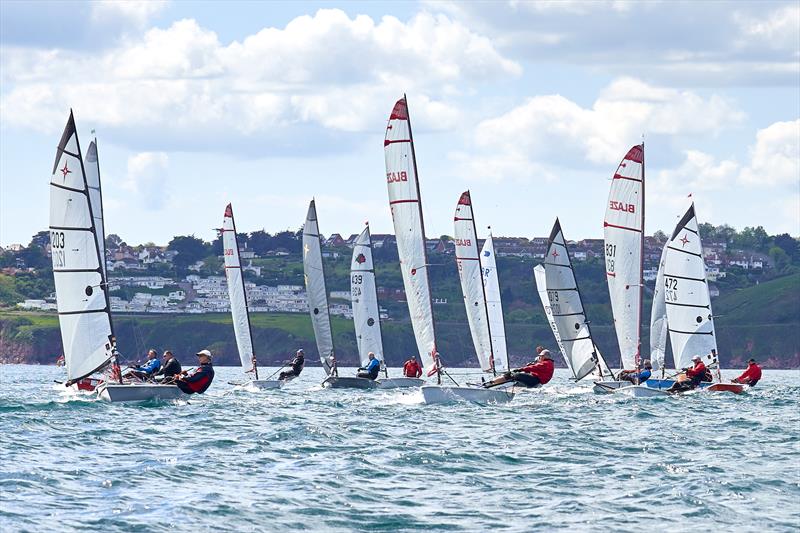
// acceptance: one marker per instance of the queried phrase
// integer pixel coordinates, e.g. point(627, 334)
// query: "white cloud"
point(135, 12)
point(146, 179)
point(518, 142)
point(777, 29)
point(328, 69)
point(775, 158)
point(699, 172)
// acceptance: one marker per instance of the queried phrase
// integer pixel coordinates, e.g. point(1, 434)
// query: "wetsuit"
point(198, 381)
point(535, 374)
point(370, 371)
point(751, 376)
point(147, 370)
point(411, 369)
point(297, 367)
point(170, 369)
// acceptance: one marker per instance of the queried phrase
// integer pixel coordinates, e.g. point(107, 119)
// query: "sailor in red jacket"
point(411, 368)
point(751, 375)
point(695, 375)
point(535, 374)
point(200, 379)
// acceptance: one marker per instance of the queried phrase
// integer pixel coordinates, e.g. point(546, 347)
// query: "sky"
point(529, 105)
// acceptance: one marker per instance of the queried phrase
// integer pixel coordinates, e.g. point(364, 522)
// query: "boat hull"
point(642, 391)
point(725, 387)
point(139, 392)
point(400, 383)
point(433, 394)
point(610, 386)
point(264, 384)
point(334, 382)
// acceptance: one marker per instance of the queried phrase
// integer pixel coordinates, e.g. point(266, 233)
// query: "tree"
point(788, 244)
point(780, 259)
point(261, 242)
point(40, 240)
point(190, 250)
point(114, 241)
point(660, 236)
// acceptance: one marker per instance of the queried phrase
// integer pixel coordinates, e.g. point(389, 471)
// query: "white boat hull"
point(138, 392)
point(400, 383)
point(642, 391)
point(610, 386)
point(264, 384)
point(433, 394)
point(334, 382)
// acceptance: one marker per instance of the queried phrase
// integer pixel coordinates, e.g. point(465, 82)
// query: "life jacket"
point(198, 381)
point(543, 370)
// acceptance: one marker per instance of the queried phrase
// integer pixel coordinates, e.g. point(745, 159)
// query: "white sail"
point(364, 298)
point(469, 271)
point(658, 318)
point(83, 310)
point(623, 230)
point(406, 207)
point(236, 290)
point(316, 291)
point(92, 167)
point(567, 308)
point(689, 317)
point(541, 287)
point(494, 305)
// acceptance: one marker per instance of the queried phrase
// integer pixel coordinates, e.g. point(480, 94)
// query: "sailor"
point(148, 369)
point(297, 366)
point(638, 377)
point(695, 375)
point(370, 371)
point(169, 369)
point(199, 380)
point(532, 375)
point(751, 375)
point(411, 368)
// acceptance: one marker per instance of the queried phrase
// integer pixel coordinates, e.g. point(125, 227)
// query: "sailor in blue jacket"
point(638, 377)
point(146, 371)
point(371, 370)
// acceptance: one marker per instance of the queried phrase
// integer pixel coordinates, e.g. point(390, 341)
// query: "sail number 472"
point(670, 289)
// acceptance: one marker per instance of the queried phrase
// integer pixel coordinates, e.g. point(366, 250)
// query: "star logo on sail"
point(65, 170)
point(360, 259)
point(555, 253)
point(684, 240)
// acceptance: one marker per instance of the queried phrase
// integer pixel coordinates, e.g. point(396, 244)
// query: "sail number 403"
point(57, 248)
point(670, 289)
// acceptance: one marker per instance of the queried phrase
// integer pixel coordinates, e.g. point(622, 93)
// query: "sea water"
point(558, 458)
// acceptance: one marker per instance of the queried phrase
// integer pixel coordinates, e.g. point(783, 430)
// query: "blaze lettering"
point(619, 206)
point(392, 177)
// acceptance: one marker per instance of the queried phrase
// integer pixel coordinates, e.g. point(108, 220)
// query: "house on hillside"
point(381, 239)
point(335, 240)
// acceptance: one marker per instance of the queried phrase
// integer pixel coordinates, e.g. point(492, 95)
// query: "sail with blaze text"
point(623, 230)
point(364, 299)
point(658, 318)
point(494, 306)
point(84, 312)
point(469, 271)
point(236, 291)
point(316, 291)
point(406, 207)
point(689, 317)
point(567, 309)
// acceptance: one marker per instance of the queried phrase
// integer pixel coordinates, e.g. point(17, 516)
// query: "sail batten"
point(690, 321)
point(236, 290)
point(316, 291)
point(78, 260)
point(470, 275)
point(406, 207)
point(566, 312)
point(364, 300)
point(623, 230)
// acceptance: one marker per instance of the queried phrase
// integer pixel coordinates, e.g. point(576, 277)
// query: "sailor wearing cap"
point(199, 380)
point(297, 363)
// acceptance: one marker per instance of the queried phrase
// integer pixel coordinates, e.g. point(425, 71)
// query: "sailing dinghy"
point(471, 274)
point(366, 313)
point(77, 242)
point(561, 298)
point(690, 321)
point(238, 298)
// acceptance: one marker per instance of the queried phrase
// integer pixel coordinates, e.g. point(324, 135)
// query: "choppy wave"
point(560, 458)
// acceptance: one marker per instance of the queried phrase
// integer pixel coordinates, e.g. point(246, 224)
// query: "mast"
point(436, 359)
point(238, 266)
point(316, 290)
point(641, 280)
